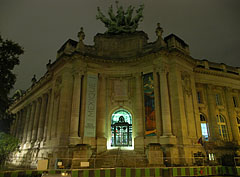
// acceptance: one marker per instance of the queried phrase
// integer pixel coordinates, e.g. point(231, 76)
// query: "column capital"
point(164, 68)
point(138, 74)
point(228, 89)
point(102, 75)
point(76, 73)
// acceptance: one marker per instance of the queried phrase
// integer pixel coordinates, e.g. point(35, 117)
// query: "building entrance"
point(121, 128)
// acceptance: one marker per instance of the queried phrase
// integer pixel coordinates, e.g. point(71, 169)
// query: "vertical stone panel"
point(91, 100)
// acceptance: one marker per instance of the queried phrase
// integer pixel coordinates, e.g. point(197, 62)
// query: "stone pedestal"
point(75, 140)
point(81, 153)
point(155, 154)
point(139, 144)
point(101, 145)
point(168, 140)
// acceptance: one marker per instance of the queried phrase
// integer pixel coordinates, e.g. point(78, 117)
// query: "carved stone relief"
point(186, 83)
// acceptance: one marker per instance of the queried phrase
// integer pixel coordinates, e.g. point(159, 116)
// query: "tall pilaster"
point(47, 123)
point(213, 126)
point(83, 105)
point(23, 118)
point(18, 116)
point(101, 107)
point(65, 102)
point(30, 125)
point(231, 115)
point(36, 120)
point(42, 117)
point(25, 131)
point(156, 101)
point(75, 114)
point(139, 106)
point(165, 104)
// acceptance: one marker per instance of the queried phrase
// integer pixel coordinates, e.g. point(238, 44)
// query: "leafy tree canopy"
point(8, 144)
point(9, 57)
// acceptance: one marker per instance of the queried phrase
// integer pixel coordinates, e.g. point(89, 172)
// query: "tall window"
point(204, 127)
point(199, 97)
point(238, 124)
point(222, 126)
point(235, 102)
point(218, 99)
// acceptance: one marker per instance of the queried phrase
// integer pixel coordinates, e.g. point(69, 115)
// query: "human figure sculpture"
point(81, 35)
point(159, 30)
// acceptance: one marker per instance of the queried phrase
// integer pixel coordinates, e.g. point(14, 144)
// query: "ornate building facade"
point(123, 91)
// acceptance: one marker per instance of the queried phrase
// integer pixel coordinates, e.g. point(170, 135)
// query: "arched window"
point(204, 127)
point(121, 127)
point(238, 124)
point(222, 126)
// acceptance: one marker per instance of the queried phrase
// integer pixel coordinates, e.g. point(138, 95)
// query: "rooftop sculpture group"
point(122, 22)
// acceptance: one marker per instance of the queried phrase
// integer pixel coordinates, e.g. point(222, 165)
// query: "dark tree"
point(9, 57)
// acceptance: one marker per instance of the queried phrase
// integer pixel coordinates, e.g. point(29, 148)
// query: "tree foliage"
point(9, 57)
point(8, 144)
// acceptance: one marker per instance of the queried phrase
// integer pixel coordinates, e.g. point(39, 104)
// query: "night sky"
point(211, 28)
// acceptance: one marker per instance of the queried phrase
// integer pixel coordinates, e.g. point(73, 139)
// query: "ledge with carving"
point(30, 91)
point(216, 73)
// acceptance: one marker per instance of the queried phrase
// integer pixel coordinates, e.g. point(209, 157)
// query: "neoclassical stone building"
point(123, 91)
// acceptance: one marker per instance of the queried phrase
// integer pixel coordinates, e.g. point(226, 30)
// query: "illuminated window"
point(211, 156)
point(121, 125)
point(218, 99)
point(222, 127)
point(204, 127)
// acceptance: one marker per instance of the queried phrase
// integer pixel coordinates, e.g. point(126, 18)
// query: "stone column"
point(65, 102)
point(74, 127)
point(25, 131)
point(156, 101)
point(101, 114)
point(83, 105)
point(30, 125)
point(23, 112)
point(101, 107)
point(165, 104)
point(42, 118)
point(231, 115)
point(213, 126)
point(139, 106)
point(15, 125)
point(36, 120)
point(46, 133)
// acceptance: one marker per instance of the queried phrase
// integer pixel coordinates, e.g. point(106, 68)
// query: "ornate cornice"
point(216, 73)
